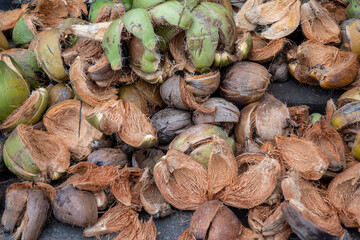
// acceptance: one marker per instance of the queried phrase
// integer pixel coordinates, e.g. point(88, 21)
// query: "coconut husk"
point(299, 115)
point(186, 235)
point(85, 89)
point(102, 74)
point(46, 14)
point(48, 152)
point(310, 164)
point(202, 86)
point(76, 134)
point(267, 220)
point(330, 143)
point(344, 195)
point(76, 8)
point(336, 9)
point(312, 203)
point(242, 24)
point(110, 13)
point(248, 234)
point(263, 54)
point(213, 220)
point(330, 109)
point(8, 19)
point(177, 50)
point(85, 48)
point(151, 198)
point(317, 24)
point(245, 129)
point(146, 158)
point(250, 146)
point(108, 157)
point(171, 94)
point(120, 187)
point(222, 167)
point(254, 186)
point(301, 73)
point(181, 180)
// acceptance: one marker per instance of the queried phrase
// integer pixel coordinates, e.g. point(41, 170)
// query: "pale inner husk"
point(266, 53)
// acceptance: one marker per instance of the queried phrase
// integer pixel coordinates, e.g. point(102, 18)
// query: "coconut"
point(166, 132)
point(27, 206)
point(102, 200)
point(307, 207)
point(60, 92)
point(102, 74)
point(263, 51)
point(146, 158)
point(75, 207)
point(279, 69)
point(349, 35)
point(213, 220)
point(76, 134)
point(317, 24)
point(243, 45)
point(352, 95)
point(108, 157)
point(203, 85)
point(244, 83)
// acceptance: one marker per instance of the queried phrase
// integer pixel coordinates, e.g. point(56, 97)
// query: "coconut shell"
point(102, 200)
point(244, 83)
point(110, 13)
point(343, 195)
point(177, 50)
point(179, 119)
point(203, 85)
point(102, 74)
point(181, 180)
point(77, 134)
point(279, 69)
point(108, 157)
point(312, 203)
point(330, 143)
point(60, 92)
point(213, 220)
point(311, 164)
point(146, 158)
point(259, 178)
point(263, 51)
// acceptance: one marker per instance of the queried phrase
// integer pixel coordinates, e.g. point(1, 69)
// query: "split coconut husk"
point(28, 207)
point(75, 207)
point(311, 164)
point(352, 95)
point(330, 143)
point(299, 115)
point(179, 119)
point(87, 49)
point(336, 9)
point(263, 51)
point(254, 186)
point(213, 220)
point(262, 121)
point(244, 83)
point(344, 195)
point(248, 234)
point(181, 180)
point(202, 86)
point(102, 74)
point(268, 220)
point(108, 157)
point(87, 91)
point(242, 24)
point(125, 119)
point(30, 112)
point(35, 155)
point(317, 24)
point(307, 209)
point(67, 121)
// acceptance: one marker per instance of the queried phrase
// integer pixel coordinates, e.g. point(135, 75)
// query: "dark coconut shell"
point(108, 157)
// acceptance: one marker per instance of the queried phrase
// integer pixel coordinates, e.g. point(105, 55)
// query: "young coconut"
point(307, 210)
point(86, 90)
point(28, 207)
point(67, 121)
point(125, 119)
point(169, 123)
point(35, 155)
point(317, 24)
point(244, 83)
point(30, 112)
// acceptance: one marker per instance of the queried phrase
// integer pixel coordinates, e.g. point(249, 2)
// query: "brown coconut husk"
point(248, 234)
point(317, 24)
point(311, 164)
point(336, 9)
point(330, 143)
point(181, 180)
point(76, 134)
point(49, 153)
point(46, 15)
point(202, 86)
point(120, 187)
point(102, 74)
point(254, 186)
point(151, 198)
point(110, 13)
point(299, 115)
point(76, 8)
point(242, 24)
point(344, 195)
point(263, 51)
point(46, 188)
point(267, 220)
point(87, 90)
point(245, 129)
point(312, 202)
point(177, 50)
point(86, 49)
point(222, 166)
point(8, 19)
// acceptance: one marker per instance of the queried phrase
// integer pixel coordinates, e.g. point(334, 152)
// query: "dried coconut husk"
point(330, 66)
point(177, 50)
point(120, 187)
point(222, 166)
point(202, 86)
point(267, 220)
point(263, 52)
point(213, 220)
point(87, 90)
point(245, 129)
point(311, 164)
point(146, 158)
point(312, 203)
point(317, 24)
point(344, 195)
point(110, 13)
point(254, 186)
point(242, 24)
point(77, 134)
point(181, 180)
point(248, 234)
point(44, 13)
point(87, 49)
point(102, 74)
point(8, 19)
point(76, 8)
point(108, 157)
point(330, 143)
point(299, 115)
point(352, 95)
point(336, 9)
point(151, 199)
